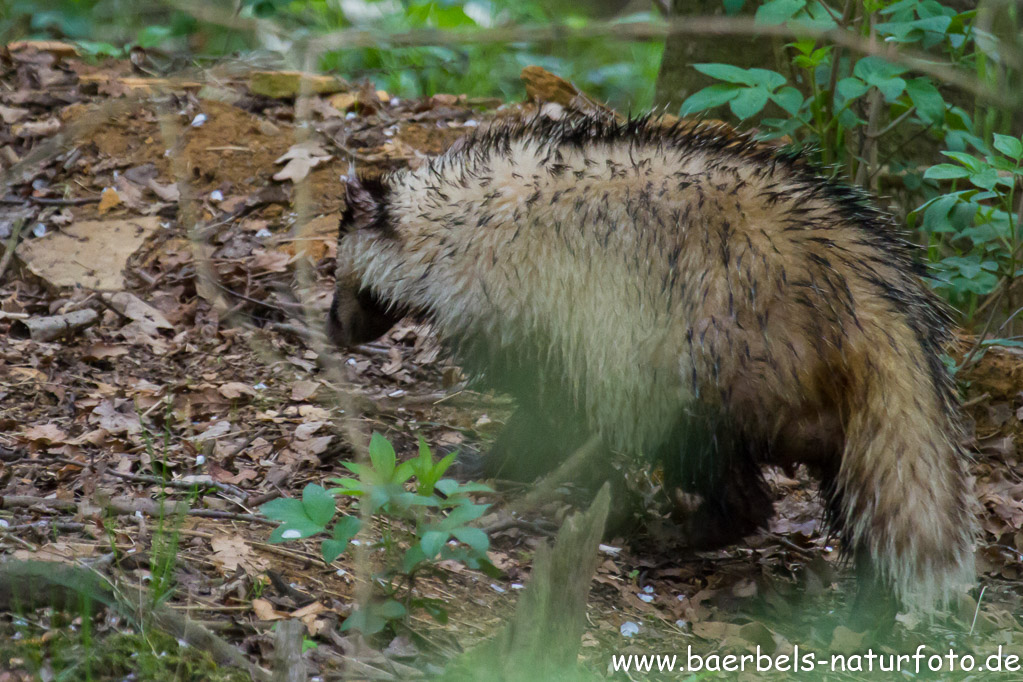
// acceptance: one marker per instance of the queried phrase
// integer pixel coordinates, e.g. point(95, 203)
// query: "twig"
point(508, 523)
point(793, 546)
point(836, 54)
point(44, 201)
point(891, 126)
point(975, 400)
point(983, 334)
point(130, 506)
point(179, 485)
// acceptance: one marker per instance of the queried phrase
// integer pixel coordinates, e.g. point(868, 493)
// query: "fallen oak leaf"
point(108, 200)
point(301, 158)
point(168, 192)
point(45, 433)
point(235, 389)
point(114, 421)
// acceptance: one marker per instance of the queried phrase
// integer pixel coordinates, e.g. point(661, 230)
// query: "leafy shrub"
point(857, 112)
point(423, 518)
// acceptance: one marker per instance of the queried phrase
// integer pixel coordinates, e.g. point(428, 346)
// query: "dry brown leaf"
point(231, 552)
point(215, 430)
point(45, 433)
point(109, 200)
point(168, 192)
point(116, 421)
point(301, 158)
point(235, 389)
point(134, 308)
point(343, 101)
point(130, 193)
point(311, 447)
point(102, 351)
point(264, 610)
point(305, 430)
point(90, 253)
point(304, 390)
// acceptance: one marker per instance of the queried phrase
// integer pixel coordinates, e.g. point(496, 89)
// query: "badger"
point(687, 293)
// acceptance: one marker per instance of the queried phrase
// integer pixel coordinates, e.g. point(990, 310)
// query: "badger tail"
point(902, 491)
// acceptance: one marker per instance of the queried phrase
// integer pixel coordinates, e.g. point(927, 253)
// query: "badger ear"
point(364, 202)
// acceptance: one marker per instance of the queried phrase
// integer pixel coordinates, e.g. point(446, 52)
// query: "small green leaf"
point(332, 549)
point(381, 453)
point(474, 537)
point(463, 514)
point(152, 36)
point(986, 178)
point(709, 97)
point(778, 11)
point(449, 486)
point(460, 488)
point(283, 509)
point(1010, 146)
point(874, 70)
point(945, 171)
point(349, 486)
point(364, 621)
point(403, 473)
point(319, 504)
point(295, 530)
point(414, 556)
point(435, 607)
point(748, 102)
point(347, 528)
point(790, 99)
point(772, 80)
point(891, 88)
point(851, 88)
point(928, 101)
point(727, 73)
point(390, 610)
point(432, 541)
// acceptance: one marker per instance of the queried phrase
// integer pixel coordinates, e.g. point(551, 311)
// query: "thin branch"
point(893, 125)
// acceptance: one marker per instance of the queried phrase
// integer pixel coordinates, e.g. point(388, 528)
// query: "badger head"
point(357, 315)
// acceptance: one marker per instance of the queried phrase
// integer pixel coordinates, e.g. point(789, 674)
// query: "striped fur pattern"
point(666, 272)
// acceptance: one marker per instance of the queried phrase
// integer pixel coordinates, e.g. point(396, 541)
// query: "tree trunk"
point(676, 80)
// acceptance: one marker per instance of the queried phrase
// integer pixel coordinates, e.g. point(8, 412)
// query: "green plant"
point(408, 510)
point(978, 224)
point(858, 113)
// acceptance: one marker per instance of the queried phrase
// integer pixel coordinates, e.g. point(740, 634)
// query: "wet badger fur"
point(690, 294)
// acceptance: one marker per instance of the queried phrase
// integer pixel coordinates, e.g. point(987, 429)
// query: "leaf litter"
point(187, 380)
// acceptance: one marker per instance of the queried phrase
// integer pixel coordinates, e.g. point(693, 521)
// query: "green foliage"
point(977, 223)
point(622, 72)
point(66, 654)
point(414, 515)
point(858, 112)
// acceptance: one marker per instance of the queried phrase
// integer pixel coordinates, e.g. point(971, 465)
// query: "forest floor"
point(196, 374)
